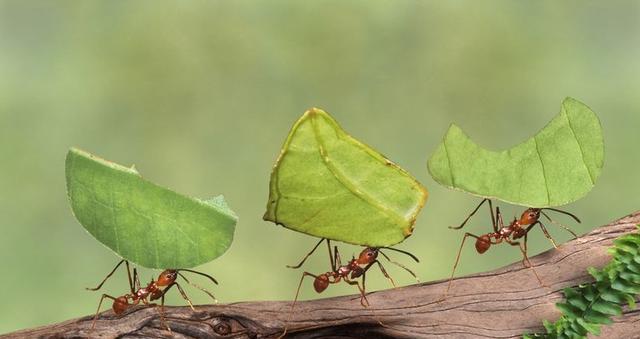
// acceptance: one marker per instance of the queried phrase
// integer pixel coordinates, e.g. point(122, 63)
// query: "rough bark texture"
point(473, 309)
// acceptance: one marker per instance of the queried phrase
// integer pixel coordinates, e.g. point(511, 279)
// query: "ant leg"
point(384, 272)
point(526, 258)
point(310, 253)
point(499, 222)
point(400, 265)
point(182, 292)
point(161, 309)
point(110, 274)
point(575, 236)
point(546, 234)
point(304, 274)
point(136, 280)
point(337, 262)
point(198, 287)
point(474, 212)
point(466, 235)
point(363, 295)
point(95, 317)
point(293, 304)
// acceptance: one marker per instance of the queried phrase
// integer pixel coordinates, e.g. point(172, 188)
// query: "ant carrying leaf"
point(518, 229)
point(156, 289)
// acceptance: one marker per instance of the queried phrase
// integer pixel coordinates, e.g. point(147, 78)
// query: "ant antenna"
point(403, 252)
point(561, 225)
point(198, 287)
point(400, 265)
point(196, 272)
point(561, 211)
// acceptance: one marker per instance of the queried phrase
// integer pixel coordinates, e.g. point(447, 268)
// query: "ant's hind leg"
point(455, 265)
point(95, 317)
point(293, 304)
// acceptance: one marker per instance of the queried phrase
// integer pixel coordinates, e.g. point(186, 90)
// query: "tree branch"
point(504, 303)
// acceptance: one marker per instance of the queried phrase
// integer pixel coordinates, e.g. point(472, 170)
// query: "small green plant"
point(589, 306)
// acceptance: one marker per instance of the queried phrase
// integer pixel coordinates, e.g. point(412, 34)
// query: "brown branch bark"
point(474, 308)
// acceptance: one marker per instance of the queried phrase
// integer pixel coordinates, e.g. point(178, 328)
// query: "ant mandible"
point(156, 289)
point(517, 229)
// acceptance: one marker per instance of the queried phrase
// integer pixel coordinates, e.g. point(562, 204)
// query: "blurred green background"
point(201, 94)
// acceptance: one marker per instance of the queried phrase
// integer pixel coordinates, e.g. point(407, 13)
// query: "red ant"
point(354, 269)
point(153, 291)
point(517, 229)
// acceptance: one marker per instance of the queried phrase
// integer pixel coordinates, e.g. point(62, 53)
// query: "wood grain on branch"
point(473, 309)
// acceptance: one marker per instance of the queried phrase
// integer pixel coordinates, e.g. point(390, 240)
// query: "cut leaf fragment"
point(142, 222)
point(558, 165)
point(327, 184)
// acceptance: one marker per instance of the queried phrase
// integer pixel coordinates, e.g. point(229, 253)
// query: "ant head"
point(167, 277)
point(367, 256)
point(529, 216)
point(483, 243)
point(321, 283)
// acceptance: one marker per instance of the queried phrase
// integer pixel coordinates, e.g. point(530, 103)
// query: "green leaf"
point(625, 286)
point(142, 222)
point(568, 310)
point(593, 316)
point(606, 308)
point(613, 296)
point(631, 301)
point(558, 165)
point(327, 184)
point(592, 328)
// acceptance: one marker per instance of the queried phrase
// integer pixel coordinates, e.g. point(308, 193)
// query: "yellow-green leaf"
point(558, 165)
point(142, 222)
point(327, 184)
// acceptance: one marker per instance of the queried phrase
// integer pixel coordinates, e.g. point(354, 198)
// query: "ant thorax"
point(344, 270)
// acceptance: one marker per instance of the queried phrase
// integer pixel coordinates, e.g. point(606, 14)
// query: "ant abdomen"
point(483, 243)
point(321, 283)
point(120, 305)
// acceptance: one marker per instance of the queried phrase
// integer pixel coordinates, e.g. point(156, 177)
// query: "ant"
point(354, 269)
point(517, 229)
point(348, 273)
point(156, 289)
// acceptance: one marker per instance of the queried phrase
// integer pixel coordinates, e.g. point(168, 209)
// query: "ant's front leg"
point(525, 257)
point(363, 296)
point(182, 292)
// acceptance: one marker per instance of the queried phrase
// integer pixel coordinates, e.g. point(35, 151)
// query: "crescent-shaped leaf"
point(327, 184)
point(142, 222)
point(558, 165)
